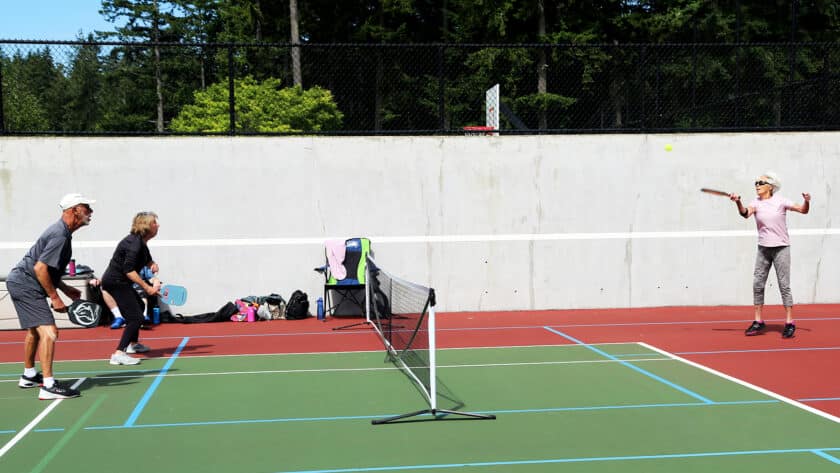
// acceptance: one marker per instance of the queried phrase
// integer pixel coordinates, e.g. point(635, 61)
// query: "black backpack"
point(221, 315)
point(298, 306)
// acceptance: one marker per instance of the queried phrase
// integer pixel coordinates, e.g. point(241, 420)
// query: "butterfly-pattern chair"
point(350, 290)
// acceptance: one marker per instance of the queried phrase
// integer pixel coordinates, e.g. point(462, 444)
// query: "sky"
point(59, 20)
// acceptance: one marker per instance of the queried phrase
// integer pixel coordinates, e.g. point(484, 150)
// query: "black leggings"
point(131, 307)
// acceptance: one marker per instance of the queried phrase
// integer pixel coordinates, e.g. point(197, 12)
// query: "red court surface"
point(802, 368)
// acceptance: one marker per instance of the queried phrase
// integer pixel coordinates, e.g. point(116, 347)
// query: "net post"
point(367, 293)
point(432, 353)
point(405, 352)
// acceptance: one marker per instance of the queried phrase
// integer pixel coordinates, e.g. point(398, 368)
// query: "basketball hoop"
point(478, 130)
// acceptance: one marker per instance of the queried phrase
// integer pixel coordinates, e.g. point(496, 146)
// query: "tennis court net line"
point(403, 314)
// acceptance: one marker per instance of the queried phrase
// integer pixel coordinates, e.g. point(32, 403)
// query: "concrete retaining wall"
point(493, 223)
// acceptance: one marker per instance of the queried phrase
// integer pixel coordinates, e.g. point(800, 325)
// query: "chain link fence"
point(140, 88)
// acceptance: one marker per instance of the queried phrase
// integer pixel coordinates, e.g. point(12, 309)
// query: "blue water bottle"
point(156, 315)
point(321, 309)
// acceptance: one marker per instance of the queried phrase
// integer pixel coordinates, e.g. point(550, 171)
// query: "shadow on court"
point(205, 349)
point(167, 351)
point(774, 329)
point(122, 379)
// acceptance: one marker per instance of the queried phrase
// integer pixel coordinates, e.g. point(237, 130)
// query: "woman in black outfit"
point(129, 258)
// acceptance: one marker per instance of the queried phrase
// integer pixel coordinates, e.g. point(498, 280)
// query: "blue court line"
point(629, 406)
point(158, 379)
point(632, 366)
point(828, 457)
point(380, 416)
point(234, 422)
point(816, 451)
point(53, 429)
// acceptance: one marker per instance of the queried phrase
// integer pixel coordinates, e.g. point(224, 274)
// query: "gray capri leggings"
point(779, 258)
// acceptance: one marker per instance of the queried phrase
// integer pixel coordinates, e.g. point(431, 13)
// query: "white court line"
point(306, 353)
point(539, 326)
point(17, 245)
point(640, 357)
point(378, 350)
point(17, 438)
point(767, 392)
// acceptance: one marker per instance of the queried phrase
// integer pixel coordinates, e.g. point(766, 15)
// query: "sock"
point(116, 312)
point(48, 382)
point(30, 372)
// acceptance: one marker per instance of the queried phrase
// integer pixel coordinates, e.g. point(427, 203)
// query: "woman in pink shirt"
point(770, 212)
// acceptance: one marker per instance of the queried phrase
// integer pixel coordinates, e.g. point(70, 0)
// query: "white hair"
point(774, 180)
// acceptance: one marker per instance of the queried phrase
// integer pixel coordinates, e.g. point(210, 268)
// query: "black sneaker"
point(788, 331)
point(755, 328)
point(33, 382)
point(57, 391)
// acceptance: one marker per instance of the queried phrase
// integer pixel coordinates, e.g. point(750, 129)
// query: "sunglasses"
point(761, 183)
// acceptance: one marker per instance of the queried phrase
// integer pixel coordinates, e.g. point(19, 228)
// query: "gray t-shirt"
point(53, 248)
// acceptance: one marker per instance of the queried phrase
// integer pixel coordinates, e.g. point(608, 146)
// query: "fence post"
point(694, 72)
point(2, 117)
point(826, 77)
point(792, 50)
point(441, 90)
point(642, 87)
point(657, 91)
point(231, 96)
point(738, 98)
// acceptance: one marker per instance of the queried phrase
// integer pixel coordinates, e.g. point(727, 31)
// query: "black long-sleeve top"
point(131, 254)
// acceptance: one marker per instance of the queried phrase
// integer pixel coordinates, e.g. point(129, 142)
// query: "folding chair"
point(349, 291)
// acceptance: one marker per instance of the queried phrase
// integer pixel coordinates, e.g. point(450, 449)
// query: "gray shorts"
point(31, 306)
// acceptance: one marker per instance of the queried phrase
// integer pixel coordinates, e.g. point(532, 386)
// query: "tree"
point(34, 90)
point(146, 20)
point(82, 110)
point(294, 36)
point(22, 108)
point(199, 22)
point(260, 107)
point(586, 75)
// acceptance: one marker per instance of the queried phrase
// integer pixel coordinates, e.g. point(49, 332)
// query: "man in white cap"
point(38, 277)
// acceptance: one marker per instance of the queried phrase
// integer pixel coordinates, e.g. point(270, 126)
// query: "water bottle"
point(156, 315)
point(321, 309)
point(71, 270)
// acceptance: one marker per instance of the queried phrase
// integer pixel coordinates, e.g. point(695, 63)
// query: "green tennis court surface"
point(572, 408)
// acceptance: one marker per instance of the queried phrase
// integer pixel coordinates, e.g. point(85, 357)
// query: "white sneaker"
point(137, 348)
point(123, 359)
